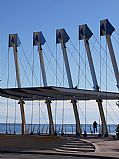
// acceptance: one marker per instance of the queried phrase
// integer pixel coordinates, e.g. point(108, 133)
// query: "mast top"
point(38, 38)
point(14, 40)
point(61, 36)
point(106, 27)
point(84, 32)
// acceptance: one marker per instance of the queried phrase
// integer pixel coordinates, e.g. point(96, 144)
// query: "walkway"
point(91, 147)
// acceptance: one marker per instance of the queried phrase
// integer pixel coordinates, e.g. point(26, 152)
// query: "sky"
point(26, 16)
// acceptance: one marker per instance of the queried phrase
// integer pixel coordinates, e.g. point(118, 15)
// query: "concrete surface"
point(17, 146)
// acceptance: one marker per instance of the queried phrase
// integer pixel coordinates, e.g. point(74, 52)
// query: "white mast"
point(62, 37)
point(85, 34)
point(15, 42)
point(106, 29)
point(39, 40)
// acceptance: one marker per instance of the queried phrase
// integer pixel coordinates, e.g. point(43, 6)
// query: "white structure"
point(62, 37)
point(15, 42)
point(85, 34)
point(39, 40)
point(106, 29)
point(49, 93)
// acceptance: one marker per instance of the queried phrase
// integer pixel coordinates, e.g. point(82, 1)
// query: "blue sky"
point(26, 16)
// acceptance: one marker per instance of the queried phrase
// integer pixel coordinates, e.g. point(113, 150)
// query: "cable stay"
point(85, 132)
point(3, 72)
point(7, 118)
point(53, 69)
point(81, 57)
point(102, 59)
point(15, 113)
point(31, 133)
point(56, 100)
point(32, 106)
point(7, 98)
point(81, 60)
point(62, 126)
point(39, 109)
point(82, 72)
point(79, 66)
point(57, 62)
point(113, 110)
point(58, 66)
point(25, 72)
point(110, 117)
point(15, 117)
point(28, 61)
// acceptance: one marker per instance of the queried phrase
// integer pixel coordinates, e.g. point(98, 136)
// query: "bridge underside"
point(56, 93)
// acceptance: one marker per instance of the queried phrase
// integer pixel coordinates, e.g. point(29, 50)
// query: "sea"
point(11, 128)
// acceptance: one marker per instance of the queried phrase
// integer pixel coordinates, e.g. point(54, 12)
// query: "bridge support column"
point(14, 42)
point(85, 34)
point(76, 114)
point(104, 124)
point(21, 102)
point(51, 124)
point(39, 40)
point(62, 38)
